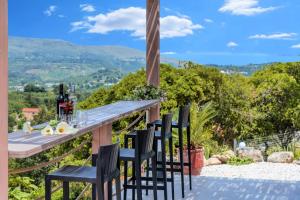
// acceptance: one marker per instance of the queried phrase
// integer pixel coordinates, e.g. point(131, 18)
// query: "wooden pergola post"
point(153, 49)
point(3, 99)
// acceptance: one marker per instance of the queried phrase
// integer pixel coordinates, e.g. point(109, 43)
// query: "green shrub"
point(146, 92)
point(240, 161)
point(201, 118)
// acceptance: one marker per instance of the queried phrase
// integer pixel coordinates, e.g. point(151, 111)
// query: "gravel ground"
point(263, 170)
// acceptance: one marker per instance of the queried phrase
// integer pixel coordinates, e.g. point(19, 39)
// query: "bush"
point(297, 154)
point(146, 92)
point(240, 161)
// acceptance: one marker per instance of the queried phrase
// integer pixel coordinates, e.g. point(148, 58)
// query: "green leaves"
point(240, 161)
point(278, 98)
point(146, 92)
point(201, 118)
point(22, 188)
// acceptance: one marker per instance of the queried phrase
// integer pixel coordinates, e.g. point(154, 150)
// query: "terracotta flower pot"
point(197, 159)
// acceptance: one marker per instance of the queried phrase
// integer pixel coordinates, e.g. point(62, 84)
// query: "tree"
point(233, 103)
point(33, 88)
point(278, 99)
point(43, 116)
point(11, 122)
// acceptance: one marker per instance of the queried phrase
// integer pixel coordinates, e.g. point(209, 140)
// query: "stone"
point(249, 152)
point(297, 162)
point(281, 157)
point(221, 158)
point(229, 153)
point(224, 157)
point(213, 161)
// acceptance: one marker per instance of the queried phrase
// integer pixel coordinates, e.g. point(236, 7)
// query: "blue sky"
point(209, 32)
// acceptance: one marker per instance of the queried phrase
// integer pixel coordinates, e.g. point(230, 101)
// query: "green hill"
point(45, 60)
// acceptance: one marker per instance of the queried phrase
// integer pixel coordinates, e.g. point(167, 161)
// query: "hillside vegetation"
point(266, 103)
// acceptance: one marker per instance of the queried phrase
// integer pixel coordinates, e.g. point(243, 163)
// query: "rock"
point(224, 157)
point(281, 157)
point(297, 162)
point(213, 161)
point(249, 152)
point(221, 158)
point(229, 153)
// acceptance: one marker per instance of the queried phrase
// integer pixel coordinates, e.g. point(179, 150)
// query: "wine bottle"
point(60, 100)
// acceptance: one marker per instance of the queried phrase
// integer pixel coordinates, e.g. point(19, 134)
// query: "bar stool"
point(183, 122)
point(143, 150)
point(106, 170)
point(164, 135)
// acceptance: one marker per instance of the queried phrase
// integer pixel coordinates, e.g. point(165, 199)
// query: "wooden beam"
point(3, 99)
point(153, 42)
point(153, 49)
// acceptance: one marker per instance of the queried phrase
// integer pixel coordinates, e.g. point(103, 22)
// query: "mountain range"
point(48, 60)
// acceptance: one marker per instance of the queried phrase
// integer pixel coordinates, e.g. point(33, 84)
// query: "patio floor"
point(213, 188)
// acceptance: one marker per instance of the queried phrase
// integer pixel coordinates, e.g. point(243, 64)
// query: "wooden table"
point(99, 121)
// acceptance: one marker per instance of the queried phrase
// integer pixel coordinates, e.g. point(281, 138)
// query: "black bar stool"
point(183, 123)
point(143, 150)
point(106, 170)
point(164, 135)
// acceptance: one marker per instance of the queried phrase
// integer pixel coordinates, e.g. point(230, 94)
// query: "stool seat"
point(129, 155)
point(157, 135)
point(158, 123)
point(105, 171)
point(75, 173)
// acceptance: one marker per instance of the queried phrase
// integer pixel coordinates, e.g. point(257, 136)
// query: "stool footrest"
point(143, 187)
point(174, 163)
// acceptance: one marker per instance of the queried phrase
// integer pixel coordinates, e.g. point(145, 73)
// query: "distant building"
point(29, 113)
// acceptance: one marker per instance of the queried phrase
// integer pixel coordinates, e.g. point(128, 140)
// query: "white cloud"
point(245, 7)
point(276, 36)
point(133, 19)
point(174, 12)
point(168, 53)
point(50, 10)
point(87, 8)
point(208, 20)
point(61, 16)
point(232, 44)
point(296, 46)
point(173, 26)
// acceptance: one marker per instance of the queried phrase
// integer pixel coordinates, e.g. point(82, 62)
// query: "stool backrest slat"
point(107, 161)
point(184, 114)
point(166, 128)
point(144, 141)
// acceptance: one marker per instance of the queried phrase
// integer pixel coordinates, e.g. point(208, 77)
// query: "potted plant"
point(201, 135)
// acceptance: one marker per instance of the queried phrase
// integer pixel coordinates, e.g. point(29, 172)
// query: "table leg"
point(102, 136)
point(154, 113)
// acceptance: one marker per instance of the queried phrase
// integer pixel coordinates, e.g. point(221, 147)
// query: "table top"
point(23, 145)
